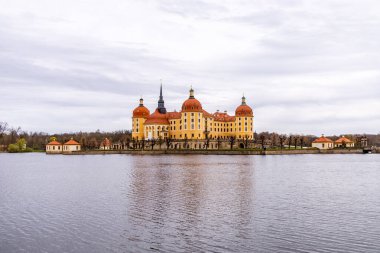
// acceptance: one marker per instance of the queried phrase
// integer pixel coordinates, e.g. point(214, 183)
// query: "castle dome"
point(192, 104)
point(243, 110)
point(141, 111)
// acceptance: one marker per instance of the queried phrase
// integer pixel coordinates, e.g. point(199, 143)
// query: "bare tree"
point(296, 138)
point(186, 141)
point(168, 142)
point(93, 143)
point(232, 141)
point(274, 138)
point(262, 140)
point(207, 143)
point(3, 128)
point(290, 140)
point(282, 140)
point(152, 143)
point(302, 141)
point(160, 141)
point(246, 141)
point(218, 141)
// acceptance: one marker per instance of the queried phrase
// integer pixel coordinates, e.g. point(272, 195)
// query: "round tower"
point(140, 114)
point(192, 120)
point(244, 120)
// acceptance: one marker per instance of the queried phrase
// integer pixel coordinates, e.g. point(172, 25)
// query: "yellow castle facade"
point(192, 122)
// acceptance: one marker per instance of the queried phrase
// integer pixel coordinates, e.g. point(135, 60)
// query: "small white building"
point(322, 143)
point(54, 147)
point(344, 142)
point(71, 146)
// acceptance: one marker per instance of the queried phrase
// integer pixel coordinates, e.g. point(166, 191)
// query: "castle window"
point(192, 114)
point(192, 135)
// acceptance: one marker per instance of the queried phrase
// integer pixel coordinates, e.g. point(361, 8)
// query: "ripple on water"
point(306, 203)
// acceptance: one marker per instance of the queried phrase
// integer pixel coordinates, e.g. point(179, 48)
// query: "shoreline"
point(216, 152)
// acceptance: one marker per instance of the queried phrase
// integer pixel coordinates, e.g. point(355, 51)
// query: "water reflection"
point(188, 199)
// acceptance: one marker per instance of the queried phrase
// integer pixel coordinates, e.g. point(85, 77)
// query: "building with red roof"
point(192, 122)
point(322, 143)
point(105, 144)
point(344, 142)
point(71, 146)
point(54, 147)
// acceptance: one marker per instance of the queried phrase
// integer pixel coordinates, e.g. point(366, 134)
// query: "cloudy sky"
point(305, 66)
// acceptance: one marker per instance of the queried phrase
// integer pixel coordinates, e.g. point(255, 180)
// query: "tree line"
point(38, 140)
point(92, 140)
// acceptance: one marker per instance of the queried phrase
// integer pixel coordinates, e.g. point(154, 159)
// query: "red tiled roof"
point(322, 140)
point(157, 118)
point(54, 143)
point(105, 142)
point(191, 105)
point(243, 111)
point(219, 116)
point(174, 115)
point(71, 142)
point(343, 139)
point(207, 114)
point(141, 112)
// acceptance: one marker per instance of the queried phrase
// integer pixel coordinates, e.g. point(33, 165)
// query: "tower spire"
point(161, 103)
point(243, 100)
point(191, 92)
point(161, 90)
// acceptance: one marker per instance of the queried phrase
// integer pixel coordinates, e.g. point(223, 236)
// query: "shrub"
point(28, 150)
point(13, 148)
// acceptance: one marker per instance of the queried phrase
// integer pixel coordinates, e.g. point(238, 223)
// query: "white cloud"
point(304, 66)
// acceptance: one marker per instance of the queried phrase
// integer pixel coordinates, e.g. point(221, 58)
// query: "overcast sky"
point(307, 67)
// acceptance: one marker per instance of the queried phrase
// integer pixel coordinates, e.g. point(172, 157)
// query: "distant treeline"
point(38, 140)
point(92, 140)
point(273, 140)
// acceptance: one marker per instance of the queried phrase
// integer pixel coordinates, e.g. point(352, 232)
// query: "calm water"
point(124, 203)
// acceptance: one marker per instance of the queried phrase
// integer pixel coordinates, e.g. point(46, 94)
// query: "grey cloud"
point(311, 66)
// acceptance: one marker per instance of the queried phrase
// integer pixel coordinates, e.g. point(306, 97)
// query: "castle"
point(192, 123)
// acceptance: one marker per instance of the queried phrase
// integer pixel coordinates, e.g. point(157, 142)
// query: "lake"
point(189, 203)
